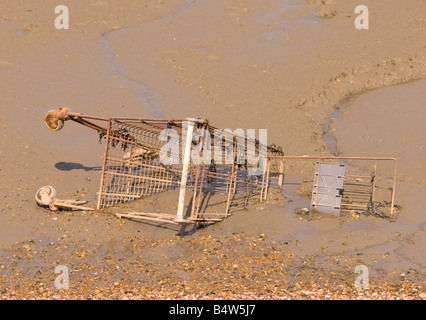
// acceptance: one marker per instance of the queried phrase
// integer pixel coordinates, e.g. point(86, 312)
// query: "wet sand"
point(387, 122)
point(280, 65)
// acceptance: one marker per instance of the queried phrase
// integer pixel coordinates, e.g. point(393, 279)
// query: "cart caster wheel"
point(54, 119)
point(46, 192)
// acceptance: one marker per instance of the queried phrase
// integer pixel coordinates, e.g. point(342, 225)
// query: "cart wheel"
point(52, 194)
point(54, 119)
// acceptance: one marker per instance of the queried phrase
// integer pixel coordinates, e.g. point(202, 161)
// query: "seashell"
point(44, 195)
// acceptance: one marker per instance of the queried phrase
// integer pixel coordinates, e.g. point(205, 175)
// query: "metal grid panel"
point(327, 187)
point(132, 169)
point(360, 181)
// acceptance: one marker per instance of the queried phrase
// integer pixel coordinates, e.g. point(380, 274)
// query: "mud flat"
point(279, 65)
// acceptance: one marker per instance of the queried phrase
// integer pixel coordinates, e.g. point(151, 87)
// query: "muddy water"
point(132, 53)
point(283, 18)
point(387, 122)
point(147, 97)
point(390, 122)
point(329, 139)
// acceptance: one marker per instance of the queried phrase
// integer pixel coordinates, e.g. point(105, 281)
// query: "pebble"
point(302, 211)
point(232, 268)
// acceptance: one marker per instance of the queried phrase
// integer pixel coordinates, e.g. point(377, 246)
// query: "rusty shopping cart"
point(144, 156)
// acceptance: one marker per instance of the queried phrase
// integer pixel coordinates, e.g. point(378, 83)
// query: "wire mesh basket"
point(149, 156)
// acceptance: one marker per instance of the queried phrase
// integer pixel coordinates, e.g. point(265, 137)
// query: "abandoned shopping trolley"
point(144, 156)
